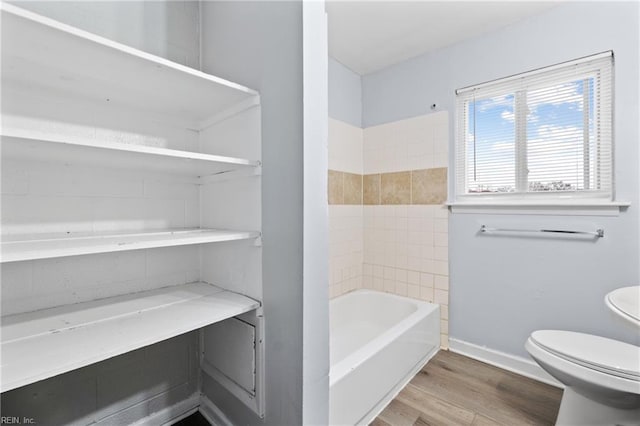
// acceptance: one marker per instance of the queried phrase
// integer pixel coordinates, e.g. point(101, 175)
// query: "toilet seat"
point(594, 352)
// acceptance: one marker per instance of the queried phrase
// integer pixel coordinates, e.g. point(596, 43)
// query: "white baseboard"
point(513, 363)
point(212, 413)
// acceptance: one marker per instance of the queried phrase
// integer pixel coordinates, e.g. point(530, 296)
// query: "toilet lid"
point(595, 352)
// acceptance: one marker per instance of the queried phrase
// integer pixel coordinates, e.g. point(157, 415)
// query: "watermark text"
point(14, 420)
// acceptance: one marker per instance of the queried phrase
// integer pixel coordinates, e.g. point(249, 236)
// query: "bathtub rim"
point(352, 361)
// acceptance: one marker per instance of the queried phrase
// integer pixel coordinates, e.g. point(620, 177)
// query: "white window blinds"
point(545, 134)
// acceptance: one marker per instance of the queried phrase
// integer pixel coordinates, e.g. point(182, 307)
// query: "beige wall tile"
point(403, 247)
point(352, 188)
point(414, 291)
point(442, 282)
point(419, 186)
point(426, 294)
point(426, 280)
point(438, 184)
point(444, 341)
point(444, 326)
point(389, 286)
point(335, 187)
point(345, 147)
point(371, 189)
point(429, 186)
point(345, 249)
point(444, 312)
point(395, 188)
point(441, 297)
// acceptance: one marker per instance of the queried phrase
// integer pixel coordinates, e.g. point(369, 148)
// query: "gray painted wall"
point(345, 94)
point(504, 288)
point(259, 44)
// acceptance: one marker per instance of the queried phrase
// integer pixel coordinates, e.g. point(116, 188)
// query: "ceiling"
point(367, 36)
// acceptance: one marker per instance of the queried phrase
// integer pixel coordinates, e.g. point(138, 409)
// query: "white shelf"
point(14, 251)
point(90, 152)
point(40, 53)
point(42, 344)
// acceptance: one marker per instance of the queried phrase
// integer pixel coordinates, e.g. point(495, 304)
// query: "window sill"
point(573, 208)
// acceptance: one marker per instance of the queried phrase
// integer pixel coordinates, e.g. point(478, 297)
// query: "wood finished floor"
point(455, 390)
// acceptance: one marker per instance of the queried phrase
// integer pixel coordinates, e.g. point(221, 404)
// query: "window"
point(541, 136)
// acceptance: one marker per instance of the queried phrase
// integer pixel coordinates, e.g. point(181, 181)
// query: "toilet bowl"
point(601, 376)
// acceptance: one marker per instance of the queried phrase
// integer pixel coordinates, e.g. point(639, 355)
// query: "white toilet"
point(601, 376)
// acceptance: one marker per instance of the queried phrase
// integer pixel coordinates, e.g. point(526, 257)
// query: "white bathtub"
point(379, 341)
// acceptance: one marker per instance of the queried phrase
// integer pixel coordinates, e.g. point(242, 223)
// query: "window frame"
point(593, 66)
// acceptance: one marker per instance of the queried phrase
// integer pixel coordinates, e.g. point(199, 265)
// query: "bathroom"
point(361, 198)
point(495, 288)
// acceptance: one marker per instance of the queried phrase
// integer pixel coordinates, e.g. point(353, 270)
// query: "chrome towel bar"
point(599, 233)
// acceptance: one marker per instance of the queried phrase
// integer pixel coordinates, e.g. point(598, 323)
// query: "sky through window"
point(559, 127)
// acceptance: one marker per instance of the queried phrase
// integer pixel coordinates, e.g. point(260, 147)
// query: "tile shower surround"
point(346, 254)
point(428, 186)
point(388, 224)
point(406, 253)
point(345, 215)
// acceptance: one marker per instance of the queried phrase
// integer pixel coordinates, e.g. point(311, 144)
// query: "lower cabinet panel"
point(234, 358)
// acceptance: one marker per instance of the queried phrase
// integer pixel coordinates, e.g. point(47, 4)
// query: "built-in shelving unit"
point(15, 251)
point(95, 153)
point(59, 58)
point(97, 135)
point(42, 344)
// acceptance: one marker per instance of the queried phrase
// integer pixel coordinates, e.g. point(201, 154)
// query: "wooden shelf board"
point(42, 344)
point(42, 53)
point(32, 249)
point(89, 152)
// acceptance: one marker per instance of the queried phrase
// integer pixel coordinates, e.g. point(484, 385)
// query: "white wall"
point(315, 344)
point(504, 288)
point(169, 29)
